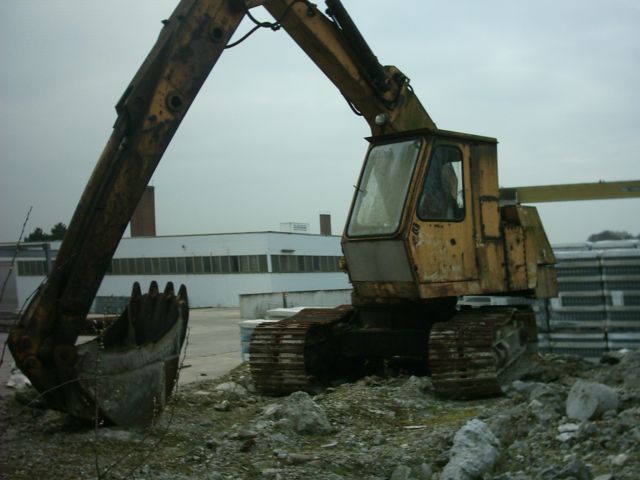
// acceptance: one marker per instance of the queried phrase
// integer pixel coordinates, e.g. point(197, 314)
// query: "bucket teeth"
point(153, 289)
point(136, 291)
point(126, 374)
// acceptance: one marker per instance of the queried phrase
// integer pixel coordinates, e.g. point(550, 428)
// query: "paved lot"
point(212, 346)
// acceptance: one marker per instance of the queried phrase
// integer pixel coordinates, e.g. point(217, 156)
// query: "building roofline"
point(7, 246)
point(258, 232)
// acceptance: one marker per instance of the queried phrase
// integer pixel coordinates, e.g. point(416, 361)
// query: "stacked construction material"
point(621, 287)
point(598, 305)
point(577, 318)
point(541, 309)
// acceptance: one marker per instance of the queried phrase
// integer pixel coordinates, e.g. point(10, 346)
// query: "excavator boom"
point(149, 113)
point(381, 94)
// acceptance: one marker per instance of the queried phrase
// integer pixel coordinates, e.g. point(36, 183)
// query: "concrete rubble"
point(474, 452)
point(17, 380)
point(589, 400)
point(298, 412)
point(569, 419)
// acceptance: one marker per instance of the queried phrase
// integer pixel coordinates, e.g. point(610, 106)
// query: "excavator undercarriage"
point(470, 353)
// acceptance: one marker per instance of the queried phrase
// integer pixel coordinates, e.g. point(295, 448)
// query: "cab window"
point(383, 188)
point(442, 196)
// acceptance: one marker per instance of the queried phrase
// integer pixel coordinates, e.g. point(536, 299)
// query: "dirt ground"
point(381, 427)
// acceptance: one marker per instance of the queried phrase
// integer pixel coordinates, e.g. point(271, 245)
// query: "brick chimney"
point(325, 224)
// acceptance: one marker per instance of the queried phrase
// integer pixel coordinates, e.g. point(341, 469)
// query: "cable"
point(275, 26)
point(352, 106)
point(243, 38)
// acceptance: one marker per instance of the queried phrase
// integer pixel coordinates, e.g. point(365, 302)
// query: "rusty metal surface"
point(287, 355)
point(149, 113)
point(464, 257)
point(444, 251)
point(571, 192)
point(515, 256)
point(127, 374)
point(491, 250)
point(325, 44)
point(471, 355)
point(530, 259)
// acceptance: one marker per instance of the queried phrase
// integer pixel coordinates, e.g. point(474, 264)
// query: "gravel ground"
point(390, 427)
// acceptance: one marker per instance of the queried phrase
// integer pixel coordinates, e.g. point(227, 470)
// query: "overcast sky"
point(270, 140)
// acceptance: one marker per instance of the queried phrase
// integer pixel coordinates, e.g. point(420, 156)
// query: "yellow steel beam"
point(571, 192)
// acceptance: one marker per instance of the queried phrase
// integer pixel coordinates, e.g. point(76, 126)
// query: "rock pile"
point(568, 419)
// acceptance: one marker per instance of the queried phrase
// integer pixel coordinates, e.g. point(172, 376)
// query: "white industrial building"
point(216, 268)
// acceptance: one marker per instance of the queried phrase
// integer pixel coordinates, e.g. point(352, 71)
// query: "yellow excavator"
point(425, 227)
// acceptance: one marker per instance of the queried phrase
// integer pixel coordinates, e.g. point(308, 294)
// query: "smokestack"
point(325, 224)
point(143, 222)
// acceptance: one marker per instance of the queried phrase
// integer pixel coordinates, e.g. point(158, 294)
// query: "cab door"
point(441, 239)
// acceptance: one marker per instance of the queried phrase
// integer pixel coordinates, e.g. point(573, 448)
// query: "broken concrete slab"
point(589, 400)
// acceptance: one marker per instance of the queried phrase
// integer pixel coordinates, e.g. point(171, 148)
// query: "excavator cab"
point(425, 223)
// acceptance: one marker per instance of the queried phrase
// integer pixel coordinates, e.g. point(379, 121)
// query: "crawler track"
point(473, 354)
point(291, 354)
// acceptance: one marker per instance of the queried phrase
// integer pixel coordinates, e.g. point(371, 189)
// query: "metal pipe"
point(372, 67)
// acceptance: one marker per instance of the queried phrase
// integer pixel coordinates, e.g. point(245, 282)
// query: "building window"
point(181, 263)
point(171, 265)
point(203, 265)
point(244, 264)
point(224, 265)
point(198, 264)
point(173, 268)
point(304, 263)
point(217, 264)
point(189, 266)
point(234, 264)
point(164, 265)
point(442, 195)
point(206, 265)
point(263, 266)
point(147, 268)
point(32, 267)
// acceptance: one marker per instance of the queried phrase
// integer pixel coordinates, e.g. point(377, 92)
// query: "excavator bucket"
point(126, 375)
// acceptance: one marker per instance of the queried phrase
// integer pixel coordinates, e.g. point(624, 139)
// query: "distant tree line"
point(38, 235)
point(611, 235)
